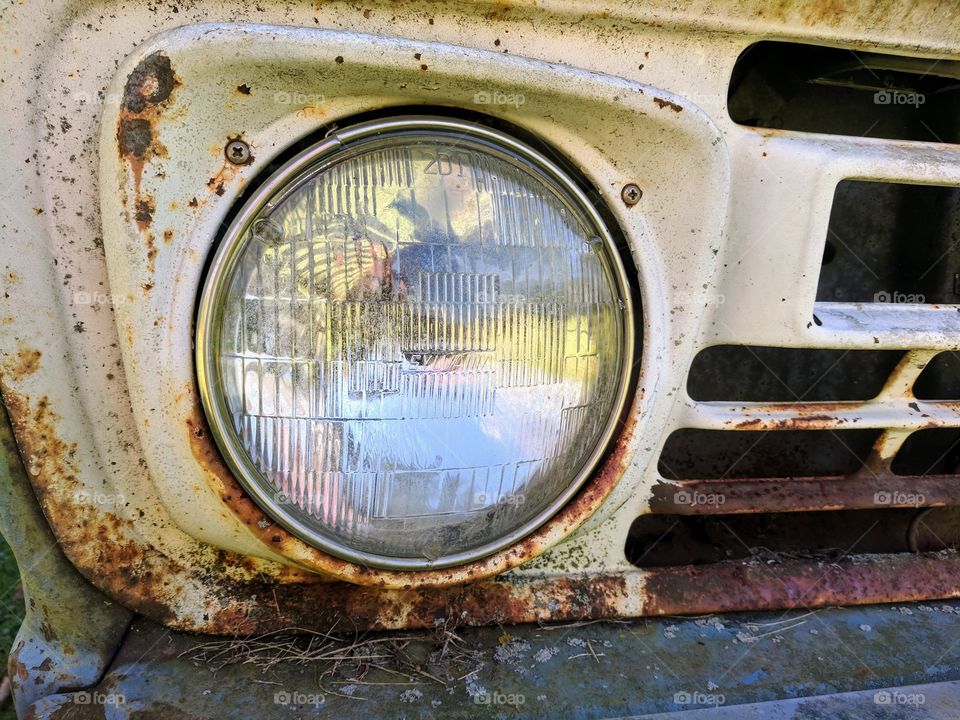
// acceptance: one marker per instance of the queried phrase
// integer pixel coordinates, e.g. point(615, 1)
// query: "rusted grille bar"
point(862, 491)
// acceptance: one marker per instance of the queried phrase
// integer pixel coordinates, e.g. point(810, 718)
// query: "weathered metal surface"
point(175, 540)
point(599, 670)
point(70, 631)
point(797, 494)
point(757, 584)
point(931, 700)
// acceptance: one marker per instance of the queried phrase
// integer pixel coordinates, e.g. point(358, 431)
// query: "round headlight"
point(414, 341)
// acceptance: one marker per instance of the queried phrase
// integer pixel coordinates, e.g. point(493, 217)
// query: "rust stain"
point(151, 260)
point(217, 183)
point(23, 364)
point(145, 207)
point(91, 538)
point(482, 603)
point(661, 103)
point(816, 416)
point(106, 549)
point(148, 93)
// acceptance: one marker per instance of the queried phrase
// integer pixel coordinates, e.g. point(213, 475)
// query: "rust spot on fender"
point(151, 83)
point(218, 183)
point(661, 103)
point(144, 211)
point(47, 458)
point(151, 257)
point(23, 364)
point(93, 539)
point(148, 92)
point(135, 137)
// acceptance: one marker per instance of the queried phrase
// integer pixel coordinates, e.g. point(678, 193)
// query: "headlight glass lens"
point(413, 343)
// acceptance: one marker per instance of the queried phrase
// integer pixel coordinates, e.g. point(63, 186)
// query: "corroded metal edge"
point(70, 630)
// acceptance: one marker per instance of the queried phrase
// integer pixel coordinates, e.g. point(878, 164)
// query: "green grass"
point(11, 612)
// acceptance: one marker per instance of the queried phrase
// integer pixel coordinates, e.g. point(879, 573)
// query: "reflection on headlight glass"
point(421, 345)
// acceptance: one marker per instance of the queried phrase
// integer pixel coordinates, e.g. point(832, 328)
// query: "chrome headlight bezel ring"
point(309, 163)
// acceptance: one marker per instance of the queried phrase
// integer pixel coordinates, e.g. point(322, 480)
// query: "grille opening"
point(767, 374)
point(940, 379)
point(690, 454)
point(892, 243)
point(669, 540)
point(809, 88)
point(935, 451)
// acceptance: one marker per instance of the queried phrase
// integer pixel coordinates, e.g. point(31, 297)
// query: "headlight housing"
point(414, 341)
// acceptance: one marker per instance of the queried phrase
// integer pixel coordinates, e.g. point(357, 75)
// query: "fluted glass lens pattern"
point(420, 345)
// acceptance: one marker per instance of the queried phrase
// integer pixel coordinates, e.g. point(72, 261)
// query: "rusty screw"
point(631, 194)
point(237, 152)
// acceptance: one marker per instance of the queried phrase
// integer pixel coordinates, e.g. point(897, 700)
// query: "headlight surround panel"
point(299, 81)
point(506, 379)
